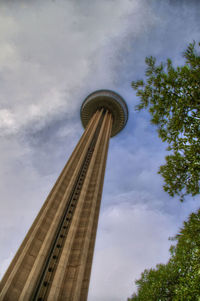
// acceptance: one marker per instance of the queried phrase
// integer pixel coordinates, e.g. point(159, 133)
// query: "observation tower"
point(54, 261)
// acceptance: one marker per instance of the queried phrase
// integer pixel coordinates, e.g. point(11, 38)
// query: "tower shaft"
point(54, 260)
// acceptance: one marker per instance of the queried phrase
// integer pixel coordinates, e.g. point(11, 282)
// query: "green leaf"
point(172, 97)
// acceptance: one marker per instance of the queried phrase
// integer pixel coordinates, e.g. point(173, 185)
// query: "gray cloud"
point(52, 54)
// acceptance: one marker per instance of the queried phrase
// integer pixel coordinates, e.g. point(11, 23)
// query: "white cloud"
point(5, 263)
point(6, 119)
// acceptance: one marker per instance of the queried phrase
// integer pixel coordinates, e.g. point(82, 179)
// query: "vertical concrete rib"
point(93, 228)
point(71, 279)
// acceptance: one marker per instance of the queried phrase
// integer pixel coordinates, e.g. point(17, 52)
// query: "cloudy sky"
point(52, 55)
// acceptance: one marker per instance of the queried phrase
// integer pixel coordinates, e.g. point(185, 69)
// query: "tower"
point(54, 261)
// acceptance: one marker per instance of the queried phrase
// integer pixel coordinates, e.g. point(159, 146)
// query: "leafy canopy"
point(179, 279)
point(172, 96)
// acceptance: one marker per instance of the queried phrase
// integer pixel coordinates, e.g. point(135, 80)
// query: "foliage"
point(172, 96)
point(179, 279)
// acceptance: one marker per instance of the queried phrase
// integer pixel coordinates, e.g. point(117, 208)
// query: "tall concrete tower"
point(54, 261)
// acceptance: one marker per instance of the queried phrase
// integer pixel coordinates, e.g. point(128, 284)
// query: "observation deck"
point(109, 100)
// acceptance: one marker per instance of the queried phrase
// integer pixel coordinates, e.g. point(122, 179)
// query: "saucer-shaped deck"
point(110, 101)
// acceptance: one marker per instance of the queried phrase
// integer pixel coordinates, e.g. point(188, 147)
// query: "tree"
point(179, 279)
point(172, 96)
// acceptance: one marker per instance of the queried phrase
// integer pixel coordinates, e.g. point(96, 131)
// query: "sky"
point(52, 55)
